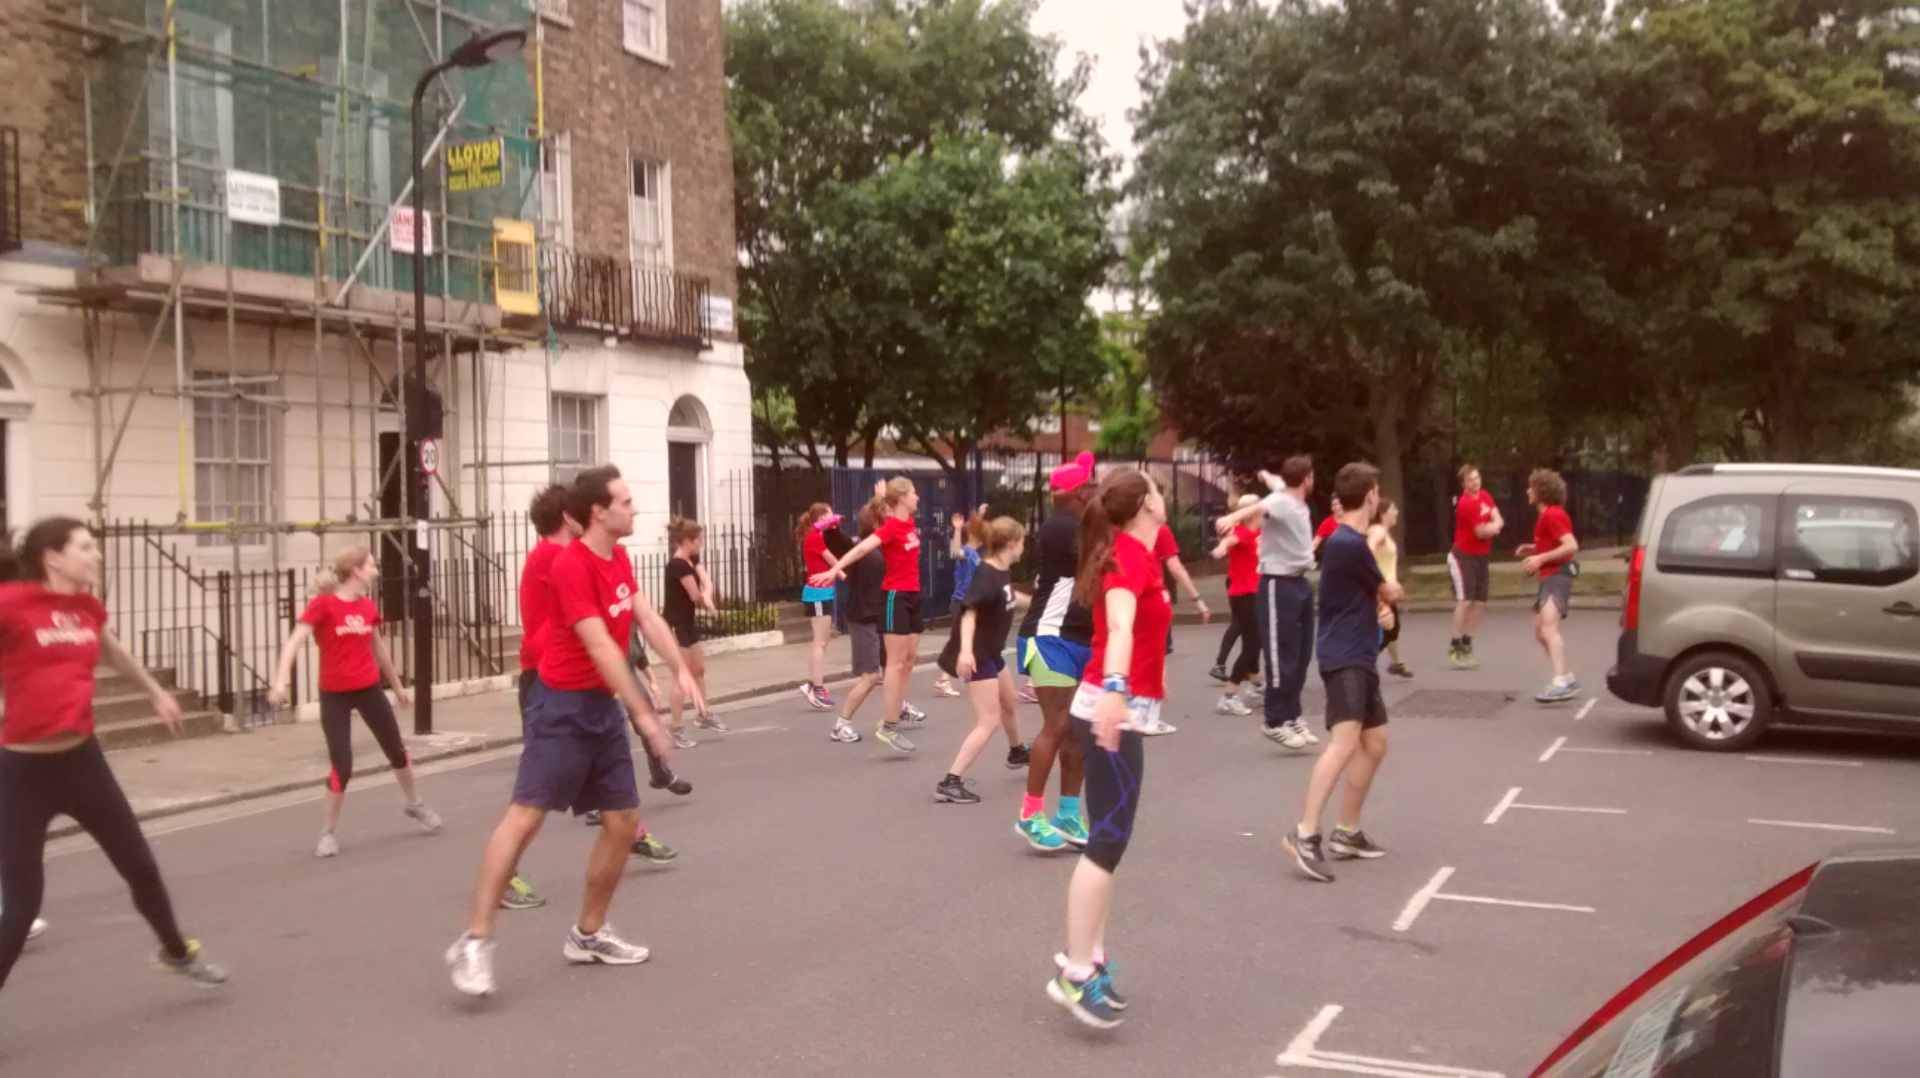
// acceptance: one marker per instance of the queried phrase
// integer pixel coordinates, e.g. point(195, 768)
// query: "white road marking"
point(1825, 826)
point(1804, 760)
point(1304, 1052)
point(1613, 752)
point(1482, 900)
point(1419, 901)
point(1570, 808)
point(1506, 803)
point(1553, 748)
point(1586, 709)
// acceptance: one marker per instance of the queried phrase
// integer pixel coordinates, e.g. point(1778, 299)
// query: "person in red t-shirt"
point(1326, 529)
point(345, 625)
point(901, 624)
point(576, 756)
point(1550, 557)
point(821, 544)
point(1241, 548)
point(1166, 549)
point(53, 633)
point(1476, 521)
point(1121, 692)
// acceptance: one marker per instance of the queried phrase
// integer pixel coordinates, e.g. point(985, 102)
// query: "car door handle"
point(1904, 610)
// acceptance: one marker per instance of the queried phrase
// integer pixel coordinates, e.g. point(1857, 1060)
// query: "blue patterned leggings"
point(1112, 793)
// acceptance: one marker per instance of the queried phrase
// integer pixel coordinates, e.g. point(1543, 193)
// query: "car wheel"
point(1718, 702)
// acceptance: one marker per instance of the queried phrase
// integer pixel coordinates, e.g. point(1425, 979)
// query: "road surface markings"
point(1560, 745)
point(1586, 709)
point(1304, 1052)
point(1825, 826)
point(1553, 748)
point(1804, 760)
point(1432, 893)
point(1511, 801)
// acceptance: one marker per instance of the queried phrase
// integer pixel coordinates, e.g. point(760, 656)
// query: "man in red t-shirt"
point(1550, 557)
point(576, 754)
point(1476, 521)
point(1241, 549)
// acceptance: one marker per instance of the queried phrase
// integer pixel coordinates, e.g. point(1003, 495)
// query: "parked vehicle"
point(1774, 593)
point(1815, 978)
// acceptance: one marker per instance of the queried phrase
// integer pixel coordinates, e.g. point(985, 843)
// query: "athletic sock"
point(1078, 974)
point(1466, 642)
point(1031, 806)
point(1301, 832)
point(1070, 807)
point(1344, 829)
point(1455, 644)
point(1099, 956)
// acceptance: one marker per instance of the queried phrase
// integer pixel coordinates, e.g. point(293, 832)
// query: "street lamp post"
point(476, 51)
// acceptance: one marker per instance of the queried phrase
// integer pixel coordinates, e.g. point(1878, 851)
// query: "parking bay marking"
point(1304, 1052)
point(1814, 760)
point(1560, 745)
point(1825, 826)
point(1511, 801)
point(1586, 709)
point(1431, 893)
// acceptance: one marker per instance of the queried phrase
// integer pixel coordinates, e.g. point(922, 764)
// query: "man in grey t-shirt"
point(1285, 610)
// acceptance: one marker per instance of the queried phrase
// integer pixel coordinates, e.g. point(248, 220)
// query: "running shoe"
point(603, 947)
point(816, 696)
point(470, 959)
point(1400, 670)
point(194, 967)
point(954, 791)
point(1086, 1000)
point(825, 697)
point(682, 741)
point(1347, 845)
point(1558, 693)
point(520, 896)
point(591, 817)
point(1073, 829)
point(1307, 855)
point(37, 929)
point(1231, 705)
point(1104, 969)
point(648, 848)
point(421, 814)
point(1300, 728)
point(1467, 660)
point(1159, 729)
point(843, 732)
point(945, 687)
point(890, 736)
point(708, 722)
point(912, 716)
point(1028, 696)
point(1018, 757)
point(1040, 834)
point(670, 782)
point(329, 845)
point(1285, 736)
point(1219, 672)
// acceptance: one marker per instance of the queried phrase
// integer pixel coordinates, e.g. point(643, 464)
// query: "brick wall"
point(41, 70)
point(612, 102)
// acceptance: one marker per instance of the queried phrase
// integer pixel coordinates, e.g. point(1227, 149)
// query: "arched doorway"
point(688, 432)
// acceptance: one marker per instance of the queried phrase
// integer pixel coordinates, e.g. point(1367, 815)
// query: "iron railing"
point(607, 295)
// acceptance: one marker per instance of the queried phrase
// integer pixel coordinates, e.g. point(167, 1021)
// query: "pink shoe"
point(1028, 696)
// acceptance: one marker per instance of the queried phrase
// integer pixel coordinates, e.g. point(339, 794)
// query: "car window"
point(1867, 542)
point(1730, 535)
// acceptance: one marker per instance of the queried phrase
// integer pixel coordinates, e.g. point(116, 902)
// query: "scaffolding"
point(191, 107)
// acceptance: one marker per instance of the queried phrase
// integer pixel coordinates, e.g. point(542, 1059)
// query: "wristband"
point(1116, 683)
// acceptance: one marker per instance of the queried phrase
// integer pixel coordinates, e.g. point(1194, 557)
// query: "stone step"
point(149, 730)
point(136, 705)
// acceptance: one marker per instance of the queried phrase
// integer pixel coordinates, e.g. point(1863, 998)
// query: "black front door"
point(683, 479)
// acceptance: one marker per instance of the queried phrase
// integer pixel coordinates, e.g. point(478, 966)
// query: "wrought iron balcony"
point(606, 295)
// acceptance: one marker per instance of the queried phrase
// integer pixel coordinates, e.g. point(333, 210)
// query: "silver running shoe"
point(891, 737)
point(329, 845)
point(471, 961)
point(421, 814)
point(708, 722)
point(194, 967)
point(603, 946)
point(844, 732)
point(682, 741)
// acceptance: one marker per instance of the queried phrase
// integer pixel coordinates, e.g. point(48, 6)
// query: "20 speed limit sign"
point(429, 456)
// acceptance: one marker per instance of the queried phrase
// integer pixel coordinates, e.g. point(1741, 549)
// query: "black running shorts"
point(1353, 695)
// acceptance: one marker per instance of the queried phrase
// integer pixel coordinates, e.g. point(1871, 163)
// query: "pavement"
point(827, 917)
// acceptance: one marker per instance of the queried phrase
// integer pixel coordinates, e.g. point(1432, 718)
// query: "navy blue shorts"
point(989, 670)
point(576, 757)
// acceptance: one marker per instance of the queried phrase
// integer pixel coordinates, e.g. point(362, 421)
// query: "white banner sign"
point(716, 313)
point(252, 198)
point(400, 235)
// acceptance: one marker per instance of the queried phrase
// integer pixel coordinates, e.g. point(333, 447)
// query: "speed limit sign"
point(429, 456)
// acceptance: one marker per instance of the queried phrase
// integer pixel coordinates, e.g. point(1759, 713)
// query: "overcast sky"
point(1111, 32)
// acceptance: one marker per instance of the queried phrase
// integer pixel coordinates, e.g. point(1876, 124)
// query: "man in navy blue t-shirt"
point(1354, 605)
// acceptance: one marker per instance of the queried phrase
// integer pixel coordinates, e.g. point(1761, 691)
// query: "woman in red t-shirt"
point(1241, 548)
point(821, 544)
point(900, 619)
point(53, 632)
point(353, 660)
point(1550, 557)
point(1121, 582)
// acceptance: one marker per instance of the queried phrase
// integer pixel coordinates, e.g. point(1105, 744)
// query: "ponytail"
point(814, 512)
point(683, 530)
point(1113, 506)
point(883, 503)
point(335, 573)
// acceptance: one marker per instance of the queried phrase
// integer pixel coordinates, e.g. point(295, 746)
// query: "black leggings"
point(336, 721)
point(1113, 793)
point(36, 787)
point(1246, 625)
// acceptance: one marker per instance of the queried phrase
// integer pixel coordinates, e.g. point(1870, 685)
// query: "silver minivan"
point(1774, 593)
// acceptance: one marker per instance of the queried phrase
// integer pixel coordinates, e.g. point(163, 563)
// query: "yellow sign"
point(472, 166)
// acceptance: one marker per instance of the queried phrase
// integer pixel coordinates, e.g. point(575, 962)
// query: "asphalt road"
point(827, 917)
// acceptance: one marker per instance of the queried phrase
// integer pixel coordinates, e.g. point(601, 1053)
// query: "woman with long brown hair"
point(345, 625)
point(821, 545)
point(901, 622)
point(1125, 684)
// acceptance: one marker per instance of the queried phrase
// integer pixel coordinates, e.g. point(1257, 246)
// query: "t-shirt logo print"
point(625, 596)
point(353, 625)
point(67, 629)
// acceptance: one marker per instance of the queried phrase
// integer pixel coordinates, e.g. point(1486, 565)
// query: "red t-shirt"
point(1138, 571)
point(813, 550)
point(1327, 528)
point(344, 632)
point(49, 645)
point(901, 545)
point(536, 601)
point(1243, 562)
point(1471, 511)
point(1165, 545)
point(585, 585)
point(1553, 526)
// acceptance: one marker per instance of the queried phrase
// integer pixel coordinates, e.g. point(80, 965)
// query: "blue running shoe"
point(1085, 1000)
point(1558, 692)
point(1104, 970)
point(1073, 829)
point(1040, 834)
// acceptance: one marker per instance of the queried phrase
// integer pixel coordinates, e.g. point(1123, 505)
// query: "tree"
point(1343, 196)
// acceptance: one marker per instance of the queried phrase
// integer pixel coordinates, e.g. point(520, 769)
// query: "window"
point(574, 435)
point(1724, 536)
point(232, 462)
point(556, 191)
point(649, 220)
point(1867, 542)
point(643, 28)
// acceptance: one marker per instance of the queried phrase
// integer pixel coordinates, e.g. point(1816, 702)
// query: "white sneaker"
point(604, 947)
point(1285, 735)
point(1231, 705)
point(37, 928)
point(1300, 727)
point(329, 845)
point(471, 961)
point(682, 741)
point(844, 732)
point(945, 687)
point(1159, 729)
point(428, 819)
